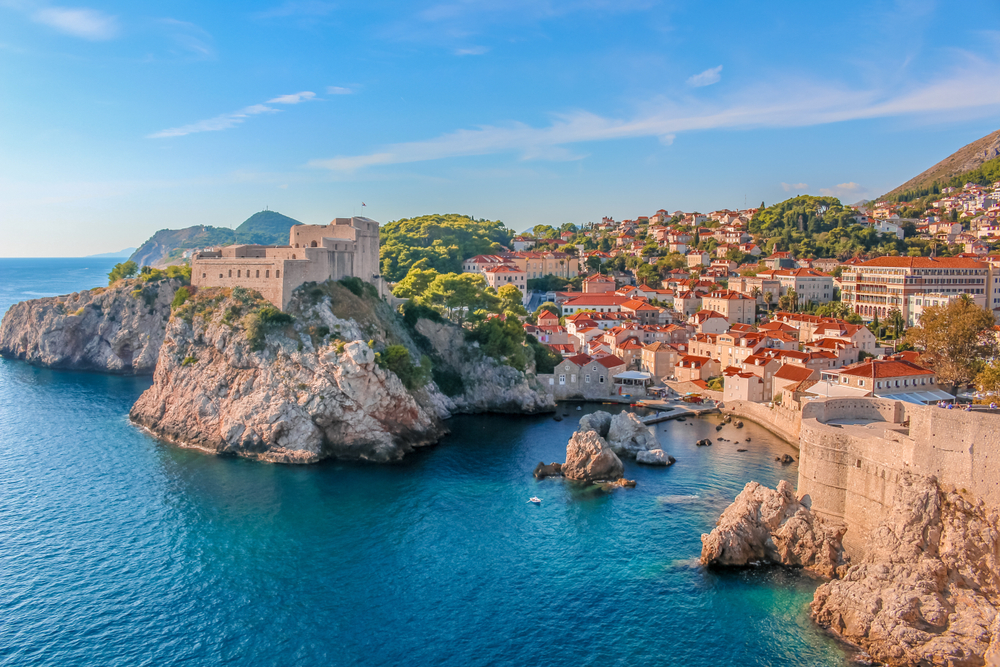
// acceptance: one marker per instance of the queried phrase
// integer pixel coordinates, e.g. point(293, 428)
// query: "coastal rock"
point(772, 527)
point(118, 329)
point(291, 392)
point(927, 589)
point(628, 436)
point(655, 457)
point(487, 385)
point(589, 458)
point(551, 470)
point(599, 421)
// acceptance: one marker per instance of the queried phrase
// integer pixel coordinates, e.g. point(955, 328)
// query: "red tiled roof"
point(924, 263)
point(884, 368)
point(793, 372)
point(610, 362)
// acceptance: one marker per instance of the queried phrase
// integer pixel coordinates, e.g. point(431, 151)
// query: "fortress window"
point(230, 273)
point(293, 256)
point(220, 275)
point(267, 274)
point(204, 275)
point(313, 244)
point(258, 273)
point(277, 274)
point(239, 274)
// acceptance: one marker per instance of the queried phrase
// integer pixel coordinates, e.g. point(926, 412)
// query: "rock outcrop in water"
point(306, 387)
point(927, 590)
point(118, 329)
point(628, 436)
point(772, 527)
point(589, 458)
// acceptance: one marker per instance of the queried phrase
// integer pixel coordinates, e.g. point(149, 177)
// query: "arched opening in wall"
point(267, 274)
point(204, 275)
point(238, 274)
point(296, 245)
point(230, 273)
point(258, 273)
point(277, 274)
point(313, 244)
point(220, 275)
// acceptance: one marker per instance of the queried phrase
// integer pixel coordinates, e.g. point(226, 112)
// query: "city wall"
point(780, 421)
point(854, 452)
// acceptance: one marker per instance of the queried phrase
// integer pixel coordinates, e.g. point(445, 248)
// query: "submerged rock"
point(551, 470)
point(118, 329)
point(927, 590)
point(589, 458)
point(772, 526)
point(655, 457)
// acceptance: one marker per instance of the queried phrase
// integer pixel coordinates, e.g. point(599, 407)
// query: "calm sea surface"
point(116, 549)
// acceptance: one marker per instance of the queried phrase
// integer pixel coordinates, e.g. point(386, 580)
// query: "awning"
point(634, 375)
point(920, 397)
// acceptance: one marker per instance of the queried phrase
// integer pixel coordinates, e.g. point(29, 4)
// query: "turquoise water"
point(116, 549)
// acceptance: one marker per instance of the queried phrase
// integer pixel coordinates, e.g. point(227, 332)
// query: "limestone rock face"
point(772, 527)
point(926, 590)
point(654, 457)
point(599, 421)
point(108, 330)
point(590, 459)
point(290, 396)
point(489, 386)
point(628, 436)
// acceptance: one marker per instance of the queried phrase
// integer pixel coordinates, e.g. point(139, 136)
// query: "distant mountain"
point(966, 159)
point(114, 255)
point(167, 246)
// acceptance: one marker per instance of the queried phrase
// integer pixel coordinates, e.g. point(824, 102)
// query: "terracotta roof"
point(596, 300)
point(580, 359)
point(924, 263)
point(793, 372)
point(610, 361)
point(884, 368)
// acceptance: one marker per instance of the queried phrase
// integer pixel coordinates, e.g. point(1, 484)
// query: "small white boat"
point(533, 499)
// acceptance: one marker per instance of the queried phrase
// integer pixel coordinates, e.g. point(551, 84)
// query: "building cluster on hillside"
point(703, 325)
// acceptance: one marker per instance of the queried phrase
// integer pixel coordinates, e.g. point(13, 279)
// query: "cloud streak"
point(706, 78)
point(228, 120)
point(975, 89)
point(79, 22)
point(788, 187)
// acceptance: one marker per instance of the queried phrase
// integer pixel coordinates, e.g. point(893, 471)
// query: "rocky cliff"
point(236, 376)
point(118, 329)
point(765, 526)
point(927, 590)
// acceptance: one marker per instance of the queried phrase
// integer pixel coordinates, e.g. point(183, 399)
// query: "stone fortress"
point(347, 247)
point(853, 453)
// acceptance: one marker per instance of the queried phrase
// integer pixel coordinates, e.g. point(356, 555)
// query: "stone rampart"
point(780, 421)
point(853, 453)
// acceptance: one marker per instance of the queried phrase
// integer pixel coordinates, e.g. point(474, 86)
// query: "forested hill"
point(167, 245)
point(828, 229)
point(978, 162)
point(442, 240)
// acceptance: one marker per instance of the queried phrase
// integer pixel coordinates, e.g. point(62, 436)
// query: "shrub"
point(121, 270)
point(182, 271)
point(449, 382)
point(413, 312)
point(257, 324)
point(341, 346)
point(180, 296)
point(546, 359)
point(503, 340)
point(396, 358)
point(355, 284)
point(77, 312)
point(189, 360)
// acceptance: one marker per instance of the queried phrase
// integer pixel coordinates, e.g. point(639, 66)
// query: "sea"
point(118, 549)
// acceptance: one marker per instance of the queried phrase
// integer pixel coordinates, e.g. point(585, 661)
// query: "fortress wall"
point(850, 472)
point(783, 423)
point(225, 272)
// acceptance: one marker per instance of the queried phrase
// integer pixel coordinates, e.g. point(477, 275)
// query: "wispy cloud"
point(789, 187)
point(472, 51)
point(228, 120)
point(338, 90)
point(974, 89)
point(189, 41)
point(842, 190)
point(706, 78)
point(78, 22)
point(298, 9)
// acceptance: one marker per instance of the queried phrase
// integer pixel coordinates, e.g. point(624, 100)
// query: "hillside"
point(966, 159)
point(166, 246)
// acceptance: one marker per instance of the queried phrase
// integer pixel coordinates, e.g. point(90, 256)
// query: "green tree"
point(511, 300)
point(593, 263)
point(443, 240)
point(416, 281)
point(549, 306)
point(955, 339)
point(459, 294)
point(896, 323)
point(122, 270)
point(988, 379)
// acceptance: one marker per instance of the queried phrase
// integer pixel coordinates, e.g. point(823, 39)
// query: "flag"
point(363, 204)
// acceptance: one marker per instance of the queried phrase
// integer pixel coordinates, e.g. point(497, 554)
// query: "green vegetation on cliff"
point(443, 240)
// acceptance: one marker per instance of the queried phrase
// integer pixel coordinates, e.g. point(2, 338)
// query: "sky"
point(118, 119)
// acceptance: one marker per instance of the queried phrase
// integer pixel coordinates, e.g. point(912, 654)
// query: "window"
point(220, 275)
point(258, 273)
point(600, 379)
point(552, 381)
point(861, 383)
point(238, 273)
point(562, 379)
point(313, 244)
point(878, 385)
point(586, 378)
point(230, 273)
point(277, 274)
point(204, 275)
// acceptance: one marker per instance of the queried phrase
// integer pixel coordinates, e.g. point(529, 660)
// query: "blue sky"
point(120, 118)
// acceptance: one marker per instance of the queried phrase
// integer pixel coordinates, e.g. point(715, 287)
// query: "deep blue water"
point(116, 549)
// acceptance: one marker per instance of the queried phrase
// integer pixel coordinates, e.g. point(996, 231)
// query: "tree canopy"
point(955, 339)
point(443, 240)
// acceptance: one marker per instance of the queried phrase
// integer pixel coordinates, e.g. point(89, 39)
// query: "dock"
point(667, 410)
